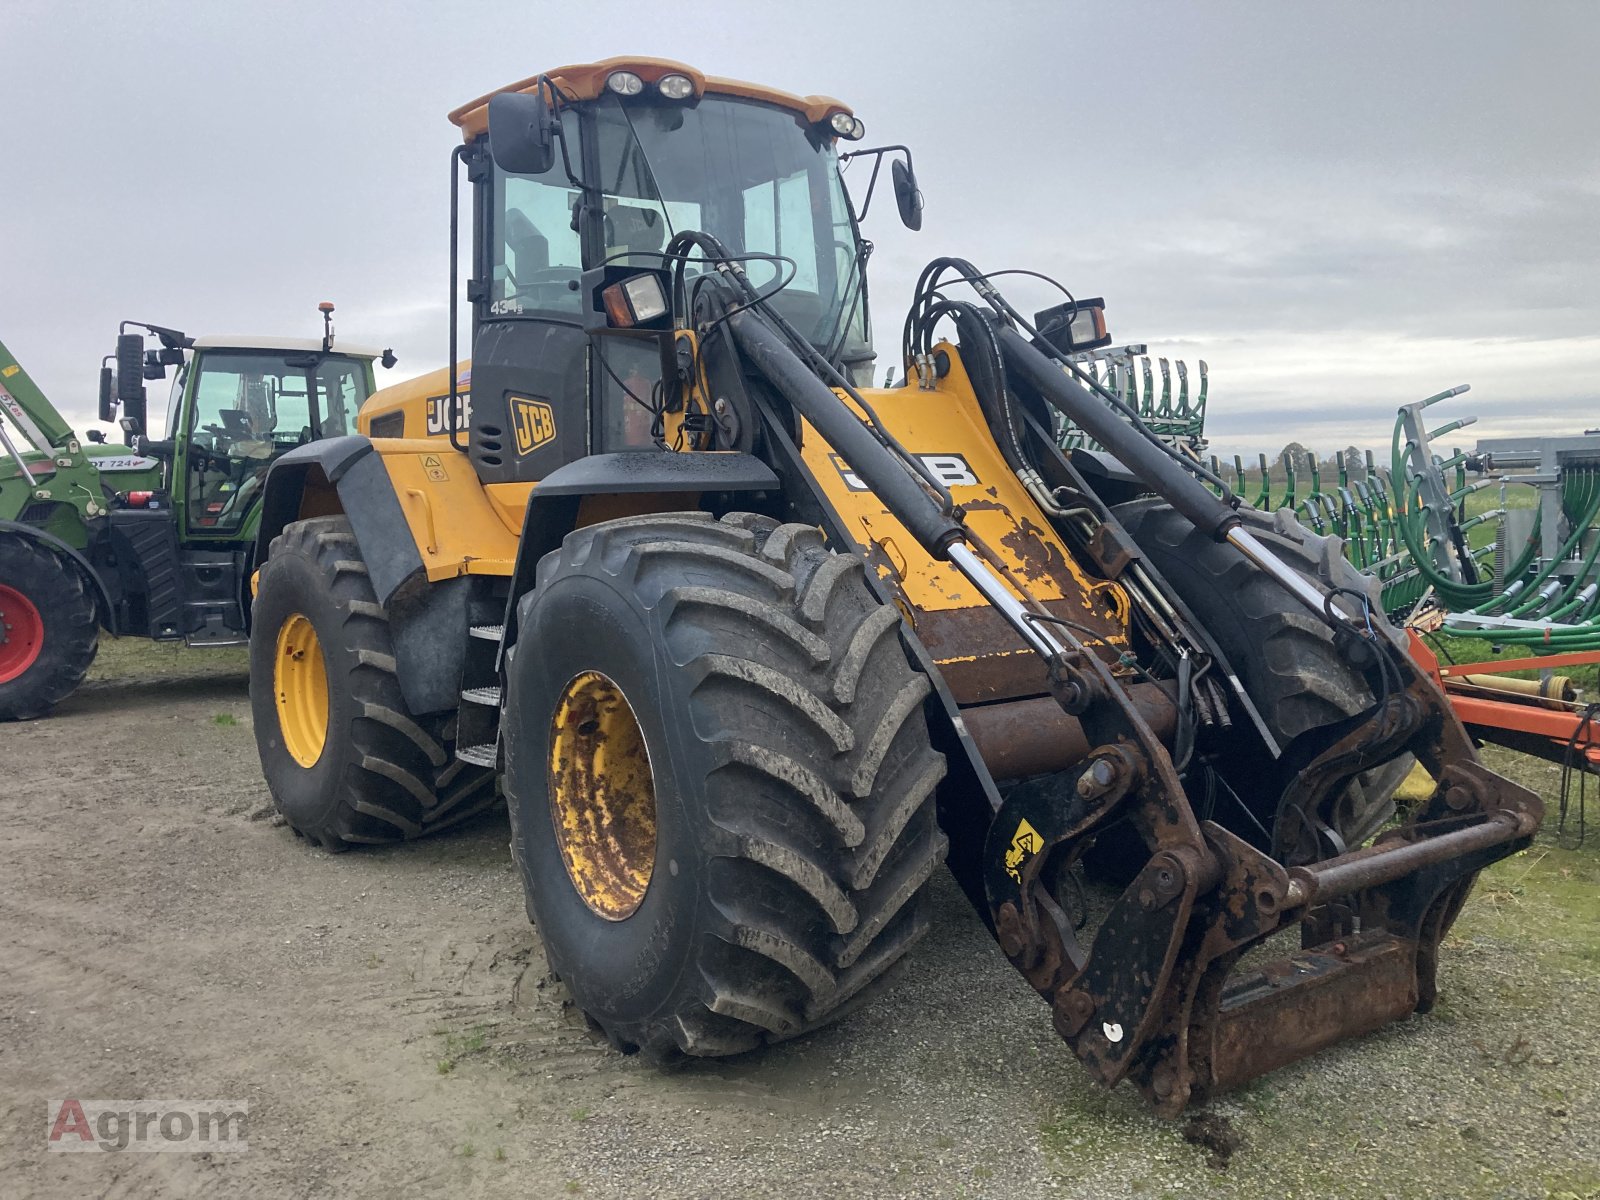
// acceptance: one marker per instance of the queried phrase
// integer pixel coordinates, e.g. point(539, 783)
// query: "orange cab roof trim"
point(586, 81)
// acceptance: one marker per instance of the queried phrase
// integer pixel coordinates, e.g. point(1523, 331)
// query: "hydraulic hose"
point(1126, 444)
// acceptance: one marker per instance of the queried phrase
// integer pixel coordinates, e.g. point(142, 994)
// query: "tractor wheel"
point(344, 760)
point(720, 780)
point(1285, 657)
point(49, 630)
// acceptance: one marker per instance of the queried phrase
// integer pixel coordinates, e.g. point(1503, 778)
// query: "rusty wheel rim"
point(602, 796)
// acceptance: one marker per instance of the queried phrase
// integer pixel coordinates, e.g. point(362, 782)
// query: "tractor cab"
point(240, 403)
point(236, 404)
point(176, 557)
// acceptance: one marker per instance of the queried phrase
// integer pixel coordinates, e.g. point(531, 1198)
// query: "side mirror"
point(522, 132)
point(907, 196)
point(130, 368)
point(108, 400)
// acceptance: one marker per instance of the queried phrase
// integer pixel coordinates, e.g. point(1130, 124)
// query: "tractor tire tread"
point(66, 602)
point(401, 779)
point(819, 787)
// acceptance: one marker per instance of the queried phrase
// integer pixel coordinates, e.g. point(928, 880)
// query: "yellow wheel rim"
point(602, 796)
point(300, 683)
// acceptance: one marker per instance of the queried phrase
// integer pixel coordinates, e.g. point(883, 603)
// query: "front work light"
point(1074, 328)
point(843, 124)
point(624, 83)
point(637, 300)
point(676, 87)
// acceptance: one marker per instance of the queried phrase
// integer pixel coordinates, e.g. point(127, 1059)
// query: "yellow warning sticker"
point(534, 422)
point(434, 466)
point(8, 372)
point(1025, 843)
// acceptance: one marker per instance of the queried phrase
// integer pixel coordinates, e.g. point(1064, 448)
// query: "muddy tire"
point(774, 865)
point(49, 629)
point(353, 766)
point(1287, 659)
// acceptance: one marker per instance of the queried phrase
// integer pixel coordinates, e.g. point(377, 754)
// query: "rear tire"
point(791, 795)
point(380, 774)
point(49, 629)
point(1286, 658)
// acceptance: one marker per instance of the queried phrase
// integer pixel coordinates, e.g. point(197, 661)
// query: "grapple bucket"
point(1164, 994)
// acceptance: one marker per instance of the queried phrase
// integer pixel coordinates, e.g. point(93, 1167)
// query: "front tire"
point(345, 761)
point(1287, 659)
point(720, 780)
point(49, 629)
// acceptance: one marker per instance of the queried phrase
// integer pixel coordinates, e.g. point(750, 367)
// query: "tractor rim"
point(602, 796)
point(21, 633)
point(300, 684)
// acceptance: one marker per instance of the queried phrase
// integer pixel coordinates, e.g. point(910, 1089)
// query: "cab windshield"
point(756, 177)
point(247, 408)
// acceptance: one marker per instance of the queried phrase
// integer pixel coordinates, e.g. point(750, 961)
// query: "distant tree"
point(1297, 456)
point(1355, 462)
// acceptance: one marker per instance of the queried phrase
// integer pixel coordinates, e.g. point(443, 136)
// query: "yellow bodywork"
point(981, 660)
point(947, 421)
point(465, 527)
point(461, 526)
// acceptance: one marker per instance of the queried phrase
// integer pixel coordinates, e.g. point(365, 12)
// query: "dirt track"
point(388, 1017)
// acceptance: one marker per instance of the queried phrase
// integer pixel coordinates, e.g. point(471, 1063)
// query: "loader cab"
point(636, 162)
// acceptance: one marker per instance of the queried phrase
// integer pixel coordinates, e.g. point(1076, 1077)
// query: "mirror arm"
point(877, 153)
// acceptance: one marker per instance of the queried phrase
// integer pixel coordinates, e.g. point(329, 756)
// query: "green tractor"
point(153, 538)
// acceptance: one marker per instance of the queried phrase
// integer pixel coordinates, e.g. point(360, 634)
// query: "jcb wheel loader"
point(755, 646)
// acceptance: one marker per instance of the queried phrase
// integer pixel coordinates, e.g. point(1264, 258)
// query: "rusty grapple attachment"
point(1153, 998)
point(1154, 995)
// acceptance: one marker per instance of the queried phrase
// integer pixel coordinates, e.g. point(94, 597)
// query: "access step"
point(479, 756)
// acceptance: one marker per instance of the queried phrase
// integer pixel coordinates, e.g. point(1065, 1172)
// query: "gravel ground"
point(389, 1018)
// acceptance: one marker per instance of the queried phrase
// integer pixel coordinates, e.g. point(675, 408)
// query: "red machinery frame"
point(1545, 728)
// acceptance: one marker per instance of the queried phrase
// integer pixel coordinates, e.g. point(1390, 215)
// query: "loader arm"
point(27, 407)
point(1152, 997)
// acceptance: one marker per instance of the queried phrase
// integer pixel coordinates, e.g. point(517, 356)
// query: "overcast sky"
point(1341, 207)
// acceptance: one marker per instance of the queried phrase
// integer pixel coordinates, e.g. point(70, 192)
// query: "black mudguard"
point(102, 595)
point(427, 622)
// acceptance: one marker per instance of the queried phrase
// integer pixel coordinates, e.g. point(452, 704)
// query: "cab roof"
point(586, 81)
point(248, 341)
